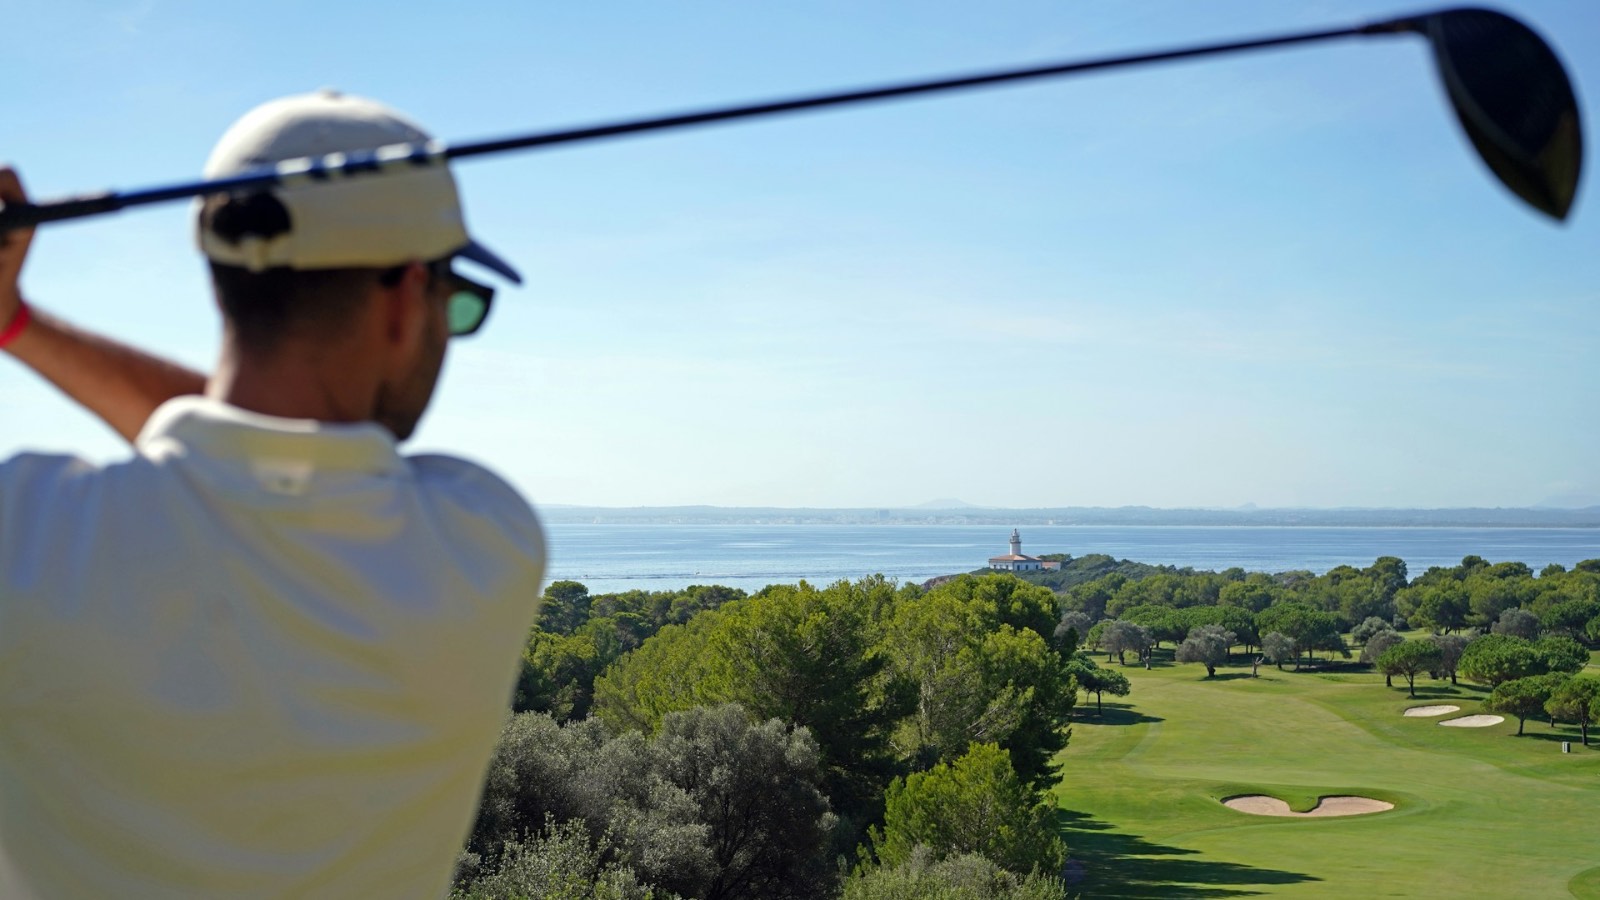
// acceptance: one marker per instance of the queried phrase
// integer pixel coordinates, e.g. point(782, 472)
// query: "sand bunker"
point(1259, 805)
point(1474, 721)
point(1431, 710)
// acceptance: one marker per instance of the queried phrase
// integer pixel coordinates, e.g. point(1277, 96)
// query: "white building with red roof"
point(1015, 561)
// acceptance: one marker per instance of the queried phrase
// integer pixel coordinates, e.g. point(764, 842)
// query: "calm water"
point(666, 557)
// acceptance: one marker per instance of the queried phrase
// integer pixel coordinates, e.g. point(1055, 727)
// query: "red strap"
point(17, 324)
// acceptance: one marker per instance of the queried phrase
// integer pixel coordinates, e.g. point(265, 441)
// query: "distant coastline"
point(1532, 517)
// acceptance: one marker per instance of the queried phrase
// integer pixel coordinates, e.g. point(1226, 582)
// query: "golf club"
point(1506, 85)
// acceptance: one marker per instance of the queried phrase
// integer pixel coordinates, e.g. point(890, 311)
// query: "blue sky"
point(1280, 278)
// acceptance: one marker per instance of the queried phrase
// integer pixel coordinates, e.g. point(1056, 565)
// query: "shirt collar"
point(201, 426)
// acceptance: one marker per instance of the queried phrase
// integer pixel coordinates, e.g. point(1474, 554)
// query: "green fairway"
point(1478, 811)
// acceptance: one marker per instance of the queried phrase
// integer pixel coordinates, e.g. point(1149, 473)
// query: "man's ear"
point(403, 307)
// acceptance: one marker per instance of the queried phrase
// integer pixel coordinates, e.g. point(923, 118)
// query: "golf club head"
point(1512, 96)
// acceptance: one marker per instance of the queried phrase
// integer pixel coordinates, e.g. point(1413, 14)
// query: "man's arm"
point(120, 384)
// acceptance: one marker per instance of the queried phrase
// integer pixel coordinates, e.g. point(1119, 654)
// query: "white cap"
point(370, 220)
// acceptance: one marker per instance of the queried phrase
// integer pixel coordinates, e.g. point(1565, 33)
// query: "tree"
point(1311, 629)
point(1440, 606)
point(757, 788)
point(1277, 647)
point(1231, 618)
point(1156, 590)
point(1494, 590)
point(1576, 700)
point(1121, 636)
point(1164, 623)
point(668, 673)
point(1369, 626)
point(1451, 646)
point(1073, 622)
point(1561, 654)
point(807, 656)
point(1251, 596)
point(966, 876)
point(561, 862)
point(1207, 645)
point(1569, 617)
point(1523, 697)
point(1091, 597)
point(559, 670)
point(564, 607)
point(1095, 680)
point(982, 673)
point(1376, 646)
point(1351, 594)
point(815, 658)
point(1241, 622)
point(1517, 623)
point(1497, 658)
point(1096, 637)
point(715, 806)
point(1388, 574)
point(1409, 659)
point(974, 804)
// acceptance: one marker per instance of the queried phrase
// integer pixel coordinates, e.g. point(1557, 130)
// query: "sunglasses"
point(469, 302)
point(468, 305)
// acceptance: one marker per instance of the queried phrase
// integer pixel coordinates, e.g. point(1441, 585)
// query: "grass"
point(1478, 811)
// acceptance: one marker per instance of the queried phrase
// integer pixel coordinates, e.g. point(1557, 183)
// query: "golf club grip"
point(26, 215)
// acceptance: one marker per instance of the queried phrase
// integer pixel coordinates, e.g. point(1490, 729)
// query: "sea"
point(612, 558)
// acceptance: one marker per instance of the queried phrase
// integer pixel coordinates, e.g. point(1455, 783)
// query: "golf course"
point(1477, 811)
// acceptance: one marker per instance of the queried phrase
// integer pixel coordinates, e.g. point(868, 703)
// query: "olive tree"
point(561, 861)
point(966, 876)
point(1376, 646)
point(1370, 626)
point(1517, 622)
point(1207, 645)
point(1072, 621)
point(1451, 646)
point(715, 806)
point(1278, 647)
point(1121, 636)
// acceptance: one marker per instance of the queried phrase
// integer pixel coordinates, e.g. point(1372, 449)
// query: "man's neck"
point(296, 382)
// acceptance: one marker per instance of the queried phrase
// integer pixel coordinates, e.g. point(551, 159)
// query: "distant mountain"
point(1570, 500)
point(937, 513)
point(946, 503)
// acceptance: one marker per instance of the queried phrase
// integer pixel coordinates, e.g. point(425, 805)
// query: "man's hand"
point(13, 248)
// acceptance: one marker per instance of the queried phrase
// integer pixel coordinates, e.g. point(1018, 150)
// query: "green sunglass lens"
point(466, 312)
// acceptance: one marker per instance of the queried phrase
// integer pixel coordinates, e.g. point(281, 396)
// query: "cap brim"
point(487, 258)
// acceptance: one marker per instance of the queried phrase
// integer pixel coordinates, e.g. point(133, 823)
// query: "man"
point(267, 656)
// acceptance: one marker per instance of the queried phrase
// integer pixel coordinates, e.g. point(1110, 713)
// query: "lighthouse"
point(1015, 561)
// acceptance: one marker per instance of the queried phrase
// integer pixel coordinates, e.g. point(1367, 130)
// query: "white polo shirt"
point(262, 658)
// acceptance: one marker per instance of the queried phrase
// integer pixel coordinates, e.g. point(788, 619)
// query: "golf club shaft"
point(400, 156)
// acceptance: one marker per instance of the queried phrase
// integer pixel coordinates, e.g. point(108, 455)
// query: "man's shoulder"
point(43, 470)
point(477, 489)
point(465, 476)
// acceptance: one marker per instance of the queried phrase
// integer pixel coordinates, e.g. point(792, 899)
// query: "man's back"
point(262, 658)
